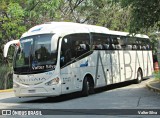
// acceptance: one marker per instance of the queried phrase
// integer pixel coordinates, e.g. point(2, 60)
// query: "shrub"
point(156, 75)
point(6, 78)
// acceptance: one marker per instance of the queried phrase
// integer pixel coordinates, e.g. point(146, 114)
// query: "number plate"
point(32, 91)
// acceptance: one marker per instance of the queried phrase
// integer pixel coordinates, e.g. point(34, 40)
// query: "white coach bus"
point(61, 57)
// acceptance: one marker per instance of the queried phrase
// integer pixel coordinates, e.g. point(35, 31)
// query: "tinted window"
point(100, 41)
point(74, 46)
point(116, 42)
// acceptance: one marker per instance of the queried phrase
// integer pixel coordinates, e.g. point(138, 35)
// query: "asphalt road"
point(120, 96)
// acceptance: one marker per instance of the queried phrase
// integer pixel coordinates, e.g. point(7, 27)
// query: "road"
point(119, 96)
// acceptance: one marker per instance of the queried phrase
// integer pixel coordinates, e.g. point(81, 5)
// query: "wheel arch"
point(90, 78)
point(140, 70)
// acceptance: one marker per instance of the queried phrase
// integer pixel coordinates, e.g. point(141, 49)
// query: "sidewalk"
point(154, 85)
point(6, 90)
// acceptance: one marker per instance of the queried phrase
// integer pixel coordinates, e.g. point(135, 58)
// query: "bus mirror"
point(7, 45)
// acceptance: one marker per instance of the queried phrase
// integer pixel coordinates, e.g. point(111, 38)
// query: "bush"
point(156, 75)
point(6, 78)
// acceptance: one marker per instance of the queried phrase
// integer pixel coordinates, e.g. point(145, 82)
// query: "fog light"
point(15, 85)
point(53, 82)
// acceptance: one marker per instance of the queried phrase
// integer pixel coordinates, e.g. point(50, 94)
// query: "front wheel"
point(88, 87)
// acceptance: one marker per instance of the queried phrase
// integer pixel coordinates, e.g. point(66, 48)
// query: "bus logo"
point(84, 64)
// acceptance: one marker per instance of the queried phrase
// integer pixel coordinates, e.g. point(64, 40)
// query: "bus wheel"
point(139, 76)
point(88, 87)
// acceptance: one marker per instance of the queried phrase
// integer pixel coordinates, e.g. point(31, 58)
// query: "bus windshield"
point(35, 54)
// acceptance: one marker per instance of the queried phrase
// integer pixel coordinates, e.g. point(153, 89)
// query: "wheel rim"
point(87, 86)
point(139, 76)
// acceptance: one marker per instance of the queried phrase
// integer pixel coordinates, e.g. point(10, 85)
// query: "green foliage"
point(157, 75)
point(17, 16)
point(145, 14)
point(107, 13)
point(6, 80)
point(154, 41)
point(12, 18)
point(40, 11)
point(15, 11)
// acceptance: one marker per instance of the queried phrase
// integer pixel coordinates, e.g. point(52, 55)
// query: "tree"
point(145, 14)
point(11, 22)
point(40, 11)
point(18, 16)
point(107, 13)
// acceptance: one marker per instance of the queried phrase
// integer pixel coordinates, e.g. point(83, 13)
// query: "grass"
point(6, 79)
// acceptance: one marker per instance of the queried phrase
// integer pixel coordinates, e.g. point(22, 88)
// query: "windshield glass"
point(36, 54)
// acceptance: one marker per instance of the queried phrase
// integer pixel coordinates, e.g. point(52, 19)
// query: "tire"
point(139, 77)
point(88, 87)
point(85, 89)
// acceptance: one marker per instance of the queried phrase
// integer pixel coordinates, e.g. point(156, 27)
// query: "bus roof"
point(64, 28)
point(127, 34)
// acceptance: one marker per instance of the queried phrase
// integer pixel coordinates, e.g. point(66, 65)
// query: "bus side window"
point(130, 44)
point(115, 42)
point(73, 46)
point(100, 41)
point(148, 44)
point(111, 45)
point(134, 47)
point(140, 44)
point(122, 42)
point(65, 51)
point(80, 44)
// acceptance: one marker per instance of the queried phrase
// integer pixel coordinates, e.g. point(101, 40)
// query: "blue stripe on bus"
point(85, 64)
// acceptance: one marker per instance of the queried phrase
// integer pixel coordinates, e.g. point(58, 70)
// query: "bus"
point(57, 58)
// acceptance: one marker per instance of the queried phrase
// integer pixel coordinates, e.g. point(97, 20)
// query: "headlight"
point(52, 82)
point(15, 85)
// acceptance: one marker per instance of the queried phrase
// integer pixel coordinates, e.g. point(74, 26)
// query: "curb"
point(152, 87)
point(6, 90)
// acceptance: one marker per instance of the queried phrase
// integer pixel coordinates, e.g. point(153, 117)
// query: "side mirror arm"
point(7, 45)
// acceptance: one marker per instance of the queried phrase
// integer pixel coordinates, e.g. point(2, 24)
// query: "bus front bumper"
point(36, 91)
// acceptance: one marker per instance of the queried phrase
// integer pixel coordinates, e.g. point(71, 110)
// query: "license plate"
point(31, 91)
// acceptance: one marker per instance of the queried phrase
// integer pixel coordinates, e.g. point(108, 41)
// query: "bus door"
point(66, 79)
point(71, 80)
point(66, 66)
point(69, 65)
point(76, 74)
